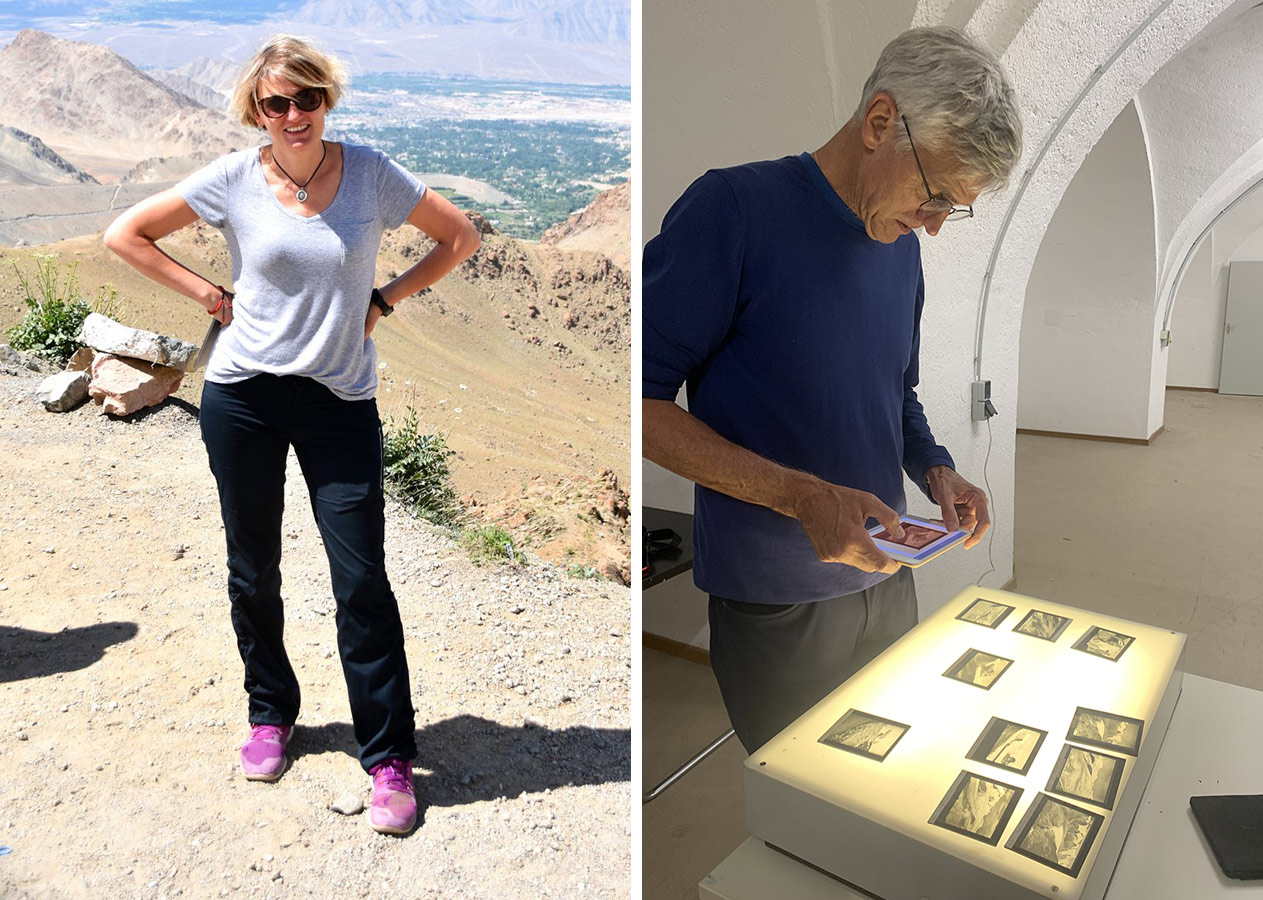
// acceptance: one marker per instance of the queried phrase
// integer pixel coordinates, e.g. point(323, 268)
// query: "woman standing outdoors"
point(295, 365)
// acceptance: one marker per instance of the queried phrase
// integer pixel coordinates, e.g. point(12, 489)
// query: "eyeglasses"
point(308, 99)
point(935, 206)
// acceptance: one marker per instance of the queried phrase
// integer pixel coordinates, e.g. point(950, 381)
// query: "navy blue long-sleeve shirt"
point(798, 337)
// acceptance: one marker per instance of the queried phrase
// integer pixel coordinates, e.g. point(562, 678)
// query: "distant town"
point(525, 155)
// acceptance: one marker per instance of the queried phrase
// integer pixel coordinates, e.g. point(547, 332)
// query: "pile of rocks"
point(123, 369)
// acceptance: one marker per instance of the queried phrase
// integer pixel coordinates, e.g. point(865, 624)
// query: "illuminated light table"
point(1212, 746)
point(1164, 857)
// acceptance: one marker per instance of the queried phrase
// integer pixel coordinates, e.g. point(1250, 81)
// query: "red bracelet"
point(223, 295)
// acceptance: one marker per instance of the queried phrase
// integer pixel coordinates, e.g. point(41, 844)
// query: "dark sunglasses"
point(308, 99)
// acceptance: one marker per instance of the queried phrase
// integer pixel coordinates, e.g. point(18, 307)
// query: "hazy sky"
point(14, 16)
point(554, 41)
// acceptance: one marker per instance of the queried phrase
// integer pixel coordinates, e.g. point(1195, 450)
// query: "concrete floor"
point(1170, 534)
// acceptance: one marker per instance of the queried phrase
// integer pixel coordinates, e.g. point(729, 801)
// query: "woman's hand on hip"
point(370, 320)
point(219, 305)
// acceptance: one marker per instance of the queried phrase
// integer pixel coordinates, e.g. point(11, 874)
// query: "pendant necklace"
point(302, 188)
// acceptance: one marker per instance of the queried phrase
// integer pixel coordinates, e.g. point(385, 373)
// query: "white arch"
point(726, 82)
point(1202, 110)
point(1242, 176)
point(1053, 54)
point(1086, 354)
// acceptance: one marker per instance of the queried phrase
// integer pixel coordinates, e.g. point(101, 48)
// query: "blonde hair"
point(295, 60)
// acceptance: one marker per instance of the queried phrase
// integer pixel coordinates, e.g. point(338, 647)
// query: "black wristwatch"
point(381, 303)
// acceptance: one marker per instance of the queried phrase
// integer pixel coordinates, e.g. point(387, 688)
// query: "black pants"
point(775, 662)
point(248, 428)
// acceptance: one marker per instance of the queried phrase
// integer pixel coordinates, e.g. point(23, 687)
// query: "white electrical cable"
point(990, 508)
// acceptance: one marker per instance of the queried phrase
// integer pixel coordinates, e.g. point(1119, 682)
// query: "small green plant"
point(490, 543)
point(55, 311)
point(578, 570)
point(417, 470)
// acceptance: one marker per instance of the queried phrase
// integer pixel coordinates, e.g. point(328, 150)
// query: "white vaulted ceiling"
point(726, 82)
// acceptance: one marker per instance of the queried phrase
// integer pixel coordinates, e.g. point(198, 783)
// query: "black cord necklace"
point(302, 188)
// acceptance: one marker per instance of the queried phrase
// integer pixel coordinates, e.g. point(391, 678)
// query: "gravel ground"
point(121, 707)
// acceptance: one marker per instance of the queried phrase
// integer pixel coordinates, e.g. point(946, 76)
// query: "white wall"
point(729, 81)
point(1197, 319)
point(1202, 120)
point(733, 80)
point(1251, 248)
point(725, 83)
point(1086, 341)
point(1197, 323)
point(1203, 112)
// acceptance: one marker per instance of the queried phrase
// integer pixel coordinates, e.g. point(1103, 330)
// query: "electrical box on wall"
point(981, 408)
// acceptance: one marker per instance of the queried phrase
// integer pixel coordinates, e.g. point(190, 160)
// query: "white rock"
point(108, 336)
point(64, 391)
point(348, 805)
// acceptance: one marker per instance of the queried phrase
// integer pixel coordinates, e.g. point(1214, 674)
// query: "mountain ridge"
point(604, 226)
point(26, 160)
point(51, 87)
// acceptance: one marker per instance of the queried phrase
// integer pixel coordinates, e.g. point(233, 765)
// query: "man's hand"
point(964, 506)
point(834, 517)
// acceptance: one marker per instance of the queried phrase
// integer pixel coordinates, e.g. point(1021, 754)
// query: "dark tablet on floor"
point(1233, 826)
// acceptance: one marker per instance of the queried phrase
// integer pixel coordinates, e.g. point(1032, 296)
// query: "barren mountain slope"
point(194, 90)
point(26, 160)
point(520, 358)
point(162, 171)
point(217, 74)
point(603, 226)
point(98, 110)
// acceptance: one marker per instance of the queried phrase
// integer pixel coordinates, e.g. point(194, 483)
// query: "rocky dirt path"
point(121, 707)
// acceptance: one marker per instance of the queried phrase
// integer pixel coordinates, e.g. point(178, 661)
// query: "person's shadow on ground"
point(470, 758)
point(35, 654)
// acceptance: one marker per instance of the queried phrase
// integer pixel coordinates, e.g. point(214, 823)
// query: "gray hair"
point(954, 93)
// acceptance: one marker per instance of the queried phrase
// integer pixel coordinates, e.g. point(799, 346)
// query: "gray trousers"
point(773, 662)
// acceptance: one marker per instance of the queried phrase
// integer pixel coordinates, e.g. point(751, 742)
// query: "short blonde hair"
point(295, 60)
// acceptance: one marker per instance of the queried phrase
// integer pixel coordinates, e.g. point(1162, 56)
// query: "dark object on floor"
point(1233, 826)
point(661, 543)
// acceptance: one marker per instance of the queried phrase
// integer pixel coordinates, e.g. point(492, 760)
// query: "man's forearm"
point(833, 516)
point(677, 440)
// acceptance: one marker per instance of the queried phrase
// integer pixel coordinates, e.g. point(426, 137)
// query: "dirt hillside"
point(123, 709)
point(604, 225)
point(519, 358)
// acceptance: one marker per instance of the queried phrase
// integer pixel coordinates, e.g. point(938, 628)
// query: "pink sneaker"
point(263, 753)
point(394, 808)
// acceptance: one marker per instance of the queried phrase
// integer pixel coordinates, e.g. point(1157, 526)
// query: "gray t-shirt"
point(302, 284)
